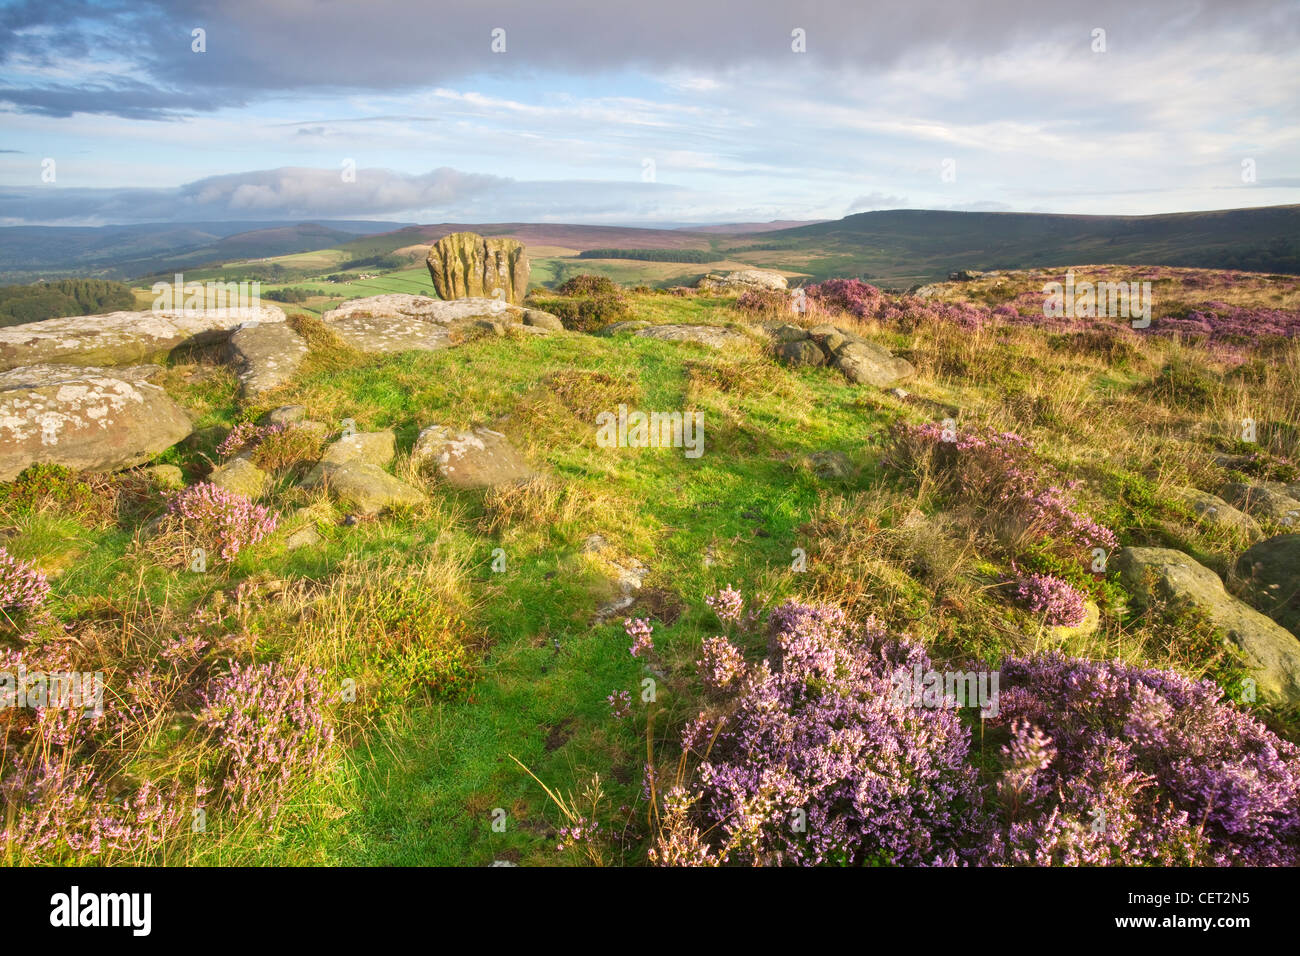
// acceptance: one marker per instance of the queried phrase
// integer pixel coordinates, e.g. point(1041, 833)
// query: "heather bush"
point(1057, 602)
point(811, 757)
point(272, 447)
point(22, 586)
point(813, 760)
point(586, 284)
point(1114, 764)
point(998, 472)
point(270, 727)
point(222, 521)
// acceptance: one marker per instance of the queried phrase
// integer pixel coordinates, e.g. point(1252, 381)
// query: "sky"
point(629, 112)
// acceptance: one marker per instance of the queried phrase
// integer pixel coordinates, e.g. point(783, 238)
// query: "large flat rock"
point(122, 338)
point(714, 336)
point(91, 419)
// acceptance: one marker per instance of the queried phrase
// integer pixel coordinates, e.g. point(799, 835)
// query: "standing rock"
point(1271, 652)
point(466, 265)
point(1270, 572)
point(265, 356)
point(90, 419)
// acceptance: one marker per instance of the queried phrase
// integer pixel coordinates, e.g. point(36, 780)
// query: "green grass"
point(418, 781)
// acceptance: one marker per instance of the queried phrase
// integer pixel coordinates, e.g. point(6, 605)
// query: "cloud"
point(265, 47)
point(286, 193)
point(873, 201)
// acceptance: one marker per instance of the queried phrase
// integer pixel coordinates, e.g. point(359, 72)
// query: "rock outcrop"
point(743, 280)
point(1270, 574)
point(123, 338)
point(1213, 512)
point(264, 356)
point(91, 419)
point(863, 362)
point(1271, 652)
point(466, 265)
point(398, 322)
point(1266, 500)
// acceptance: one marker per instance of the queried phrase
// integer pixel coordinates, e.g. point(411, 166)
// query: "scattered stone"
point(830, 465)
point(631, 325)
point(1266, 500)
point(742, 281)
point(374, 448)
point(122, 338)
point(466, 265)
point(304, 537)
point(899, 393)
point(543, 320)
point(799, 354)
point(240, 476)
point(1216, 513)
point(1270, 573)
point(1271, 652)
point(714, 336)
point(1089, 625)
point(90, 419)
point(365, 486)
point(285, 415)
point(478, 459)
point(265, 356)
point(865, 363)
point(167, 476)
point(785, 332)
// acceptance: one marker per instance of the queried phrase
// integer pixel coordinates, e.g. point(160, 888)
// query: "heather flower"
point(269, 722)
point(1148, 767)
point(243, 434)
point(222, 519)
point(620, 704)
point(721, 665)
point(727, 604)
point(639, 630)
point(1060, 603)
point(22, 586)
point(815, 762)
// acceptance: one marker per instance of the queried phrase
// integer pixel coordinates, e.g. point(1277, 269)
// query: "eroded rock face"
point(265, 356)
point(467, 265)
point(91, 419)
point(1271, 652)
point(742, 281)
point(123, 338)
point(481, 458)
